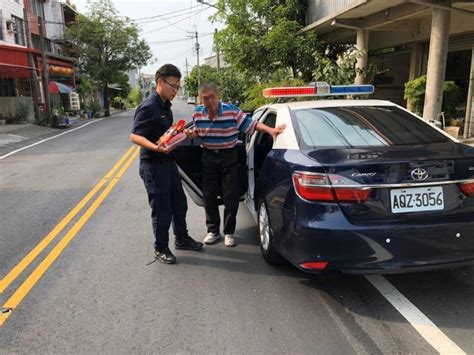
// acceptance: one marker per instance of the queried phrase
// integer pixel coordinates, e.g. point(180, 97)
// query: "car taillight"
point(317, 187)
point(467, 188)
point(314, 265)
point(352, 195)
point(313, 187)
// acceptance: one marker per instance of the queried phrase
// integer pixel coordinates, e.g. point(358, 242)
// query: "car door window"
point(263, 143)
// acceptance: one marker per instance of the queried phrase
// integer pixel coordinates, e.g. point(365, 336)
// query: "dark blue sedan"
point(359, 186)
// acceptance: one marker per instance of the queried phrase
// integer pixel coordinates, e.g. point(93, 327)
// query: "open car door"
point(188, 158)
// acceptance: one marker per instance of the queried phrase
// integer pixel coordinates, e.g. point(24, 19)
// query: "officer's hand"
point(191, 133)
point(277, 130)
point(163, 149)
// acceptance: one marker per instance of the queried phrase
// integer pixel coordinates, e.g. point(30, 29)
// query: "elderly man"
point(218, 125)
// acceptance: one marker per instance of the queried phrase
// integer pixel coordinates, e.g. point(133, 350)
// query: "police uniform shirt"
point(152, 118)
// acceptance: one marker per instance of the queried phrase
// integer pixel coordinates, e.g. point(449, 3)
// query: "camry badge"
point(419, 174)
point(363, 174)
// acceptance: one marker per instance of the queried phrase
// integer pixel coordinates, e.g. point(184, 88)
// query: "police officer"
point(218, 125)
point(158, 168)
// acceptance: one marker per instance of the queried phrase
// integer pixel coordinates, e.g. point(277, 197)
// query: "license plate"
point(417, 199)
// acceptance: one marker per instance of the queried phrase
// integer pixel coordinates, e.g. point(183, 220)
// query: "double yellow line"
point(38, 272)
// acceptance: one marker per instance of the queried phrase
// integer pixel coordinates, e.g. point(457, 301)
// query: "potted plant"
point(94, 109)
point(60, 114)
point(22, 111)
point(415, 95)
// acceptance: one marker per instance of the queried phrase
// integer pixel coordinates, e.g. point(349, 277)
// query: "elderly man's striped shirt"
point(223, 131)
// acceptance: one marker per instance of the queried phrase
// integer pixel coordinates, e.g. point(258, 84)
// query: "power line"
point(167, 18)
point(172, 24)
point(180, 39)
point(168, 13)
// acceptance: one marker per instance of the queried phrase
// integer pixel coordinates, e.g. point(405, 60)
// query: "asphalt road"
point(92, 288)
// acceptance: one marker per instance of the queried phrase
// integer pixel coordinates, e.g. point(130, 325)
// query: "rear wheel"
point(266, 236)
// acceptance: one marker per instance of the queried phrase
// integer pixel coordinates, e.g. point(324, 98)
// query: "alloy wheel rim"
point(264, 227)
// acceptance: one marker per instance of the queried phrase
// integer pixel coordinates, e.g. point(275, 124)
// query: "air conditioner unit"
point(11, 26)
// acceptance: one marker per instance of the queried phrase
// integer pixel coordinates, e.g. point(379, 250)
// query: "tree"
point(135, 96)
point(207, 74)
point(262, 36)
point(233, 85)
point(107, 45)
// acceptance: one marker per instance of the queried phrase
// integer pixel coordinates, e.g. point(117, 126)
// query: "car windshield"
point(361, 126)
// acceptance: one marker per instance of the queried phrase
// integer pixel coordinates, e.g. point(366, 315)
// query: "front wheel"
point(266, 236)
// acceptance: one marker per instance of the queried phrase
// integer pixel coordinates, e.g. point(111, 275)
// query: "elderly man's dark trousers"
point(220, 171)
point(166, 198)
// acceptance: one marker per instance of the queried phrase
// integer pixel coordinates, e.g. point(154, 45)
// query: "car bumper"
point(381, 249)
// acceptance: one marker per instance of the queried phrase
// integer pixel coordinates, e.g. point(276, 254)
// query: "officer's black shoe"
point(165, 256)
point(187, 243)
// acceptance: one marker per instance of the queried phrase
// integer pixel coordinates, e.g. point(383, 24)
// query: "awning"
point(57, 88)
point(14, 62)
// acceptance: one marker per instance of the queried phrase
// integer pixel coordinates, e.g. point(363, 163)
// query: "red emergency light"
point(319, 88)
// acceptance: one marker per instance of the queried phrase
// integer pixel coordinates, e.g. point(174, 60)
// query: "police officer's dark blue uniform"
point(159, 171)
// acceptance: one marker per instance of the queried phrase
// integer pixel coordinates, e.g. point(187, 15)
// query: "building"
point(21, 64)
point(214, 62)
point(407, 38)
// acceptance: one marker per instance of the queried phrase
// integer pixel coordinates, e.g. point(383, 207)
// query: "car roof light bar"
point(319, 89)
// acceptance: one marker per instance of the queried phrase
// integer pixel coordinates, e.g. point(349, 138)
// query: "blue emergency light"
point(318, 89)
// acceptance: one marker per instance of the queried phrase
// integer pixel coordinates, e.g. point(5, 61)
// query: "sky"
point(168, 34)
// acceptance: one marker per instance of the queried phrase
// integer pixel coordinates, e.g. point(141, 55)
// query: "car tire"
point(265, 235)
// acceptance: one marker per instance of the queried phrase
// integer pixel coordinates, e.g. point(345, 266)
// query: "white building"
point(58, 16)
point(12, 26)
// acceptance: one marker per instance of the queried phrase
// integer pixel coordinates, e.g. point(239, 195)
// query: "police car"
point(359, 186)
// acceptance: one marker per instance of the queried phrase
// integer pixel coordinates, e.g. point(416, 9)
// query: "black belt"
point(219, 151)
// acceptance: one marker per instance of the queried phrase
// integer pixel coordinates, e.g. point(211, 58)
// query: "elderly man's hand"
point(191, 133)
point(277, 130)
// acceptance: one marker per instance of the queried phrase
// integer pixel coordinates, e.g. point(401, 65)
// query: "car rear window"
point(361, 126)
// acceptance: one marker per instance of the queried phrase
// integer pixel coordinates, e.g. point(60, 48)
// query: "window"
point(361, 126)
point(35, 7)
point(24, 87)
point(19, 31)
point(7, 87)
point(35, 41)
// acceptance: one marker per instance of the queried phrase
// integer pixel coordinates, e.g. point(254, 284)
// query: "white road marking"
point(422, 324)
point(47, 139)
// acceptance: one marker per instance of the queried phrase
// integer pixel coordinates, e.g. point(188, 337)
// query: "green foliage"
point(207, 74)
point(232, 85)
point(135, 96)
point(94, 106)
point(340, 68)
point(60, 111)
point(121, 79)
point(84, 87)
point(22, 111)
point(451, 98)
point(415, 94)
point(107, 44)
point(262, 36)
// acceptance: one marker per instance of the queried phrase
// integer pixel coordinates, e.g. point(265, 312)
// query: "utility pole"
point(217, 51)
point(187, 66)
point(197, 57)
point(45, 77)
point(31, 62)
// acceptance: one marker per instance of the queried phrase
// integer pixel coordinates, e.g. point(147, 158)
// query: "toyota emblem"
point(419, 174)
